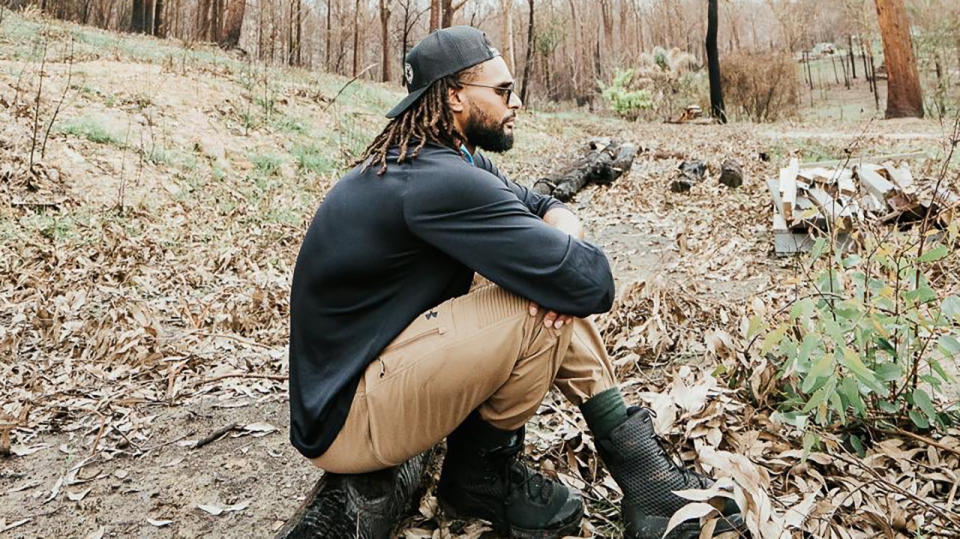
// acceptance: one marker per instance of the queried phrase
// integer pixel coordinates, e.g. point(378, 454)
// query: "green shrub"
point(626, 102)
point(867, 338)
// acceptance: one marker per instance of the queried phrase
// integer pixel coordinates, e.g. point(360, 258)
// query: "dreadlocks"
point(429, 119)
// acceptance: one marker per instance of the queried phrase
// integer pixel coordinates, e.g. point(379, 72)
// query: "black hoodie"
point(383, 249)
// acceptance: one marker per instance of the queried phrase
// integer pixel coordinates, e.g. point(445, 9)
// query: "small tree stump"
point(690, 173)
point(731, 174)
point(603, 162)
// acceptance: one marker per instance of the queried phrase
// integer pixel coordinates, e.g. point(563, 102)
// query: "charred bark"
point(713, 65)
point(233, 24)
point(603, 162)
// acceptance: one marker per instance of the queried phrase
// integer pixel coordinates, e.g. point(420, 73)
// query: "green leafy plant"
point(623, 100)
point(867, 340)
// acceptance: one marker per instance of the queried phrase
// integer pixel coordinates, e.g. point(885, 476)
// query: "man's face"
point(489, 109)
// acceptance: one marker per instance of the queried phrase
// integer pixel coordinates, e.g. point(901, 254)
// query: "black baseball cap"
point(444, 52)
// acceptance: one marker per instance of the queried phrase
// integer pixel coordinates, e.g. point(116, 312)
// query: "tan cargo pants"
point(482, 351)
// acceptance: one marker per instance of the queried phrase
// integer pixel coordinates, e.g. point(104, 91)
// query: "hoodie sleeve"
point(535, 202)
point(478, 220)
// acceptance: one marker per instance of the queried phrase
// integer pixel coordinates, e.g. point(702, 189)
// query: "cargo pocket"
point(392, 382)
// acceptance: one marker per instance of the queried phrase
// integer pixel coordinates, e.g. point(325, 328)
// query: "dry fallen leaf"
point(217, 510)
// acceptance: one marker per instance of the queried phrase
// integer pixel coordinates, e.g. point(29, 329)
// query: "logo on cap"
point(408, 72)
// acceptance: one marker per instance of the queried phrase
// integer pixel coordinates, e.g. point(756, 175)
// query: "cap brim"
point(406, 102)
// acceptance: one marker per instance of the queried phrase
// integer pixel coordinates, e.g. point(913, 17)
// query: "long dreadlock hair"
point(429, 119)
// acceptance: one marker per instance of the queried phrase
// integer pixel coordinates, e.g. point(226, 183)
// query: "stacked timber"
point(815, 200)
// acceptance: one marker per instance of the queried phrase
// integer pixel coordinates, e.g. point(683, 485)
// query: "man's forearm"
point(564, 220)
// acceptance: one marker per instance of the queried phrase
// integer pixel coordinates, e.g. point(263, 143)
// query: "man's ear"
point(454, 100)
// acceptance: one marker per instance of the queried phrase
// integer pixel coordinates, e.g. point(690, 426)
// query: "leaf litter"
point(115, 307)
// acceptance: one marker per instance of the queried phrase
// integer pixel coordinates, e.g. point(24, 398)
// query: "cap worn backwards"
point(442, 53)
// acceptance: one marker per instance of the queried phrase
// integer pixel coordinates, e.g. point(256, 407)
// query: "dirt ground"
point(128, 468)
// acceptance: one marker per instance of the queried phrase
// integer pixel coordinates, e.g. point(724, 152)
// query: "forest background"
point(161, 159)
point(570, 50)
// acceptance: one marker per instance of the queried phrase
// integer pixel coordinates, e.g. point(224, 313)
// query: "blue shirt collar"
point(466, 154)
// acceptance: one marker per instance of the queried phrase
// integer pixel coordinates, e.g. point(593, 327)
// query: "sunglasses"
point(504, 91)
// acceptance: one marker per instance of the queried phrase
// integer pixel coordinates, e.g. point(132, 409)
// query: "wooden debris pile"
point(815, 199)
point(603, 161)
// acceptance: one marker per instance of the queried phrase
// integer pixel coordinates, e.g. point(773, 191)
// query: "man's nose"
point(514, 101)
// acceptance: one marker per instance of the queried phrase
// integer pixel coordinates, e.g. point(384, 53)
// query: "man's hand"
point(551, 319)
point(564, 220)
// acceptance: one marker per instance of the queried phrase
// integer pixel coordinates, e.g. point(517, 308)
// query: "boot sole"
point(565, 528)
point(653, 527)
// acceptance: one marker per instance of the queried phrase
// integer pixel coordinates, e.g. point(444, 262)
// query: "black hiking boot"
point(638, 463)
point(364, 506)
point(482, 477)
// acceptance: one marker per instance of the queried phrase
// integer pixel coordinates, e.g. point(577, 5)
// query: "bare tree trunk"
point(853, 64)
point(449, 10)
point(136, 19)
point(385, 40)
point(529, 59)
point(506, 9)
point(326, 47)
point(233, 23)
point(434, 14)
point(904, 97)
point(356, 37)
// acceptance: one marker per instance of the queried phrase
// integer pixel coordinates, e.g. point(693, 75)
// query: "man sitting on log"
point(391, 350)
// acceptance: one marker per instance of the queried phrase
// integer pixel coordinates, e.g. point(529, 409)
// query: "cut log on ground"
point(603, 162)
point(731, 174)
point(689, 174)
point(360, 505)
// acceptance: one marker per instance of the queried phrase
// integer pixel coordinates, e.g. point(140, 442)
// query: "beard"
point(486, 133)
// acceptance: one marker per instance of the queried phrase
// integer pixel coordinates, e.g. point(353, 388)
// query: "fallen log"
point(603, 162)
point(366, 505)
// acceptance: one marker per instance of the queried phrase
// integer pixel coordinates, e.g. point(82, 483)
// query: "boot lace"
point(535, 484)
point(690, 477)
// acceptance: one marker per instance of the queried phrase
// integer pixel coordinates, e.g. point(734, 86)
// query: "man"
point(391, 350)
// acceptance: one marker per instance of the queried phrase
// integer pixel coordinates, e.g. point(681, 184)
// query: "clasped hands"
point(552, 319)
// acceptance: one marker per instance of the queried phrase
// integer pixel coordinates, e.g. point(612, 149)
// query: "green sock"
point(604, 411)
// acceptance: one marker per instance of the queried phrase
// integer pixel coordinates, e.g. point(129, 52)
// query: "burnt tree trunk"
point(434, 15)
point(713, 65)
point(603, 162)
point(137, 20)
point(904, 97)
point(233, 24)
point(529, 59)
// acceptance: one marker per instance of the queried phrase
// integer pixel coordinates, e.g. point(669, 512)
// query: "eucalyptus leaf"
point(949, 346)
point(857, 445)
point(919, 419)
point(934, 254)
point(922, 400)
